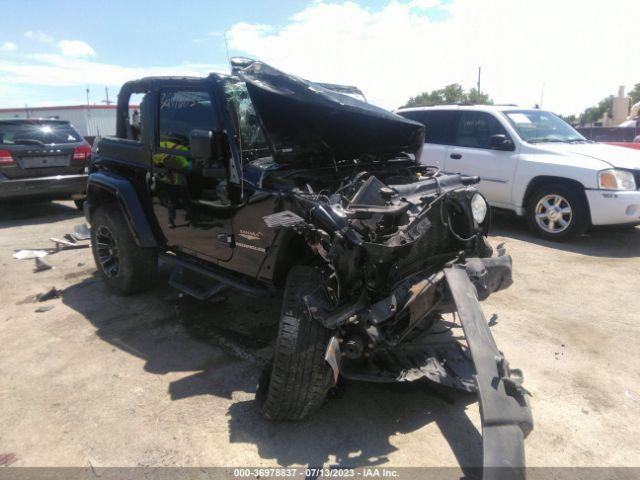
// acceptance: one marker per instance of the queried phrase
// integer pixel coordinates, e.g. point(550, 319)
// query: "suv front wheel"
point(125, 267)
point(558, 212)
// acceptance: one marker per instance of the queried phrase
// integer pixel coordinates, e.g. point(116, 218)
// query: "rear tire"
point(124, 266)
point(558, 212)
point(297, 382)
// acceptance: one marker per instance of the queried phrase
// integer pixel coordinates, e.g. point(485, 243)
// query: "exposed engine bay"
point(384, 233)
point(405, 257)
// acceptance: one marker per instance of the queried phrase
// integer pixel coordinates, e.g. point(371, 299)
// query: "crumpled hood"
point(619, 157)
point(305, 121)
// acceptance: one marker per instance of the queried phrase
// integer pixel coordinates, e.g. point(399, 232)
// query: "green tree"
point(450, 94)
point(479, 98)
point(594, 114)
point(570, 119)
point(635, 94)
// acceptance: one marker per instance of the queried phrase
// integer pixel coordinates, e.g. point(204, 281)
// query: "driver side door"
point(471, 154)
point(190, 205)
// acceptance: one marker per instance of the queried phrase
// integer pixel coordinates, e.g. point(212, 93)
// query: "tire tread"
point(300, 378)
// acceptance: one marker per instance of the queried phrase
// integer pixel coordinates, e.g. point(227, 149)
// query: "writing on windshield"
point(536, 126)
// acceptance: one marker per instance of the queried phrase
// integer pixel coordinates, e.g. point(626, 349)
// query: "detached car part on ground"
point(317, 196)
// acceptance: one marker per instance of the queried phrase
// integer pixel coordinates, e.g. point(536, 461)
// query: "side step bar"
point(215, 275)
point(181, 281)
point(504, 410)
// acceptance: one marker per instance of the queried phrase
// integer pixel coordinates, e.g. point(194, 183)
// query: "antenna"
point(226, 46)
point(542, 95)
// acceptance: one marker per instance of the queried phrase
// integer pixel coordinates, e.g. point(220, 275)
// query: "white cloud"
point(75, 48)
point(580, 52)
point(8, 47)
point(59, 71)
point(39, 36)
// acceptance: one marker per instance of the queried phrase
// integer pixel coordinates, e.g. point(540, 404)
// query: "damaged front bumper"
point(504, 410)
point(475, 366)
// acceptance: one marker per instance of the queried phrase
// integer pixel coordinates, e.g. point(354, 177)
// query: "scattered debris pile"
point(70, 241)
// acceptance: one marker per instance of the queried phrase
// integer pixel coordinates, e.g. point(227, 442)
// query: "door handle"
point(456, 156)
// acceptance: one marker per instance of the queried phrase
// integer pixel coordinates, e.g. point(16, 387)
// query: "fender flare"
point(123, 191)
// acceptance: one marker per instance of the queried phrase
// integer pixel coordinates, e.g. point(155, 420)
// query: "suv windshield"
point(536, 126)
point(37, 133)
point(252, 140)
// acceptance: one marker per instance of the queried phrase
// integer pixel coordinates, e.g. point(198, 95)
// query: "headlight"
point(478, 208)
point(616, 180)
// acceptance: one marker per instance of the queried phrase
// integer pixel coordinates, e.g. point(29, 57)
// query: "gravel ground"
point(159, 380)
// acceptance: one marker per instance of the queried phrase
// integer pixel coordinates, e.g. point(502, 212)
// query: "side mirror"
point(204, 147)
point(500, 142)
point(201, 145)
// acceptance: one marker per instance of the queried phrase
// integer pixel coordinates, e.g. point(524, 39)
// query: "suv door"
point(472, 155)
point(190, 205)
point(439, 132)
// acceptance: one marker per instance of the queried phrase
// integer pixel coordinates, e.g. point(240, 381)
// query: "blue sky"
point(129, 33)
point(50, 51)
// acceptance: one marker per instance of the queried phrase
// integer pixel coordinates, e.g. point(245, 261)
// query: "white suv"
point(532, 162)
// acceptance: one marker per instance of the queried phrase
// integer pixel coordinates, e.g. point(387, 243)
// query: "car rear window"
point(37, 133)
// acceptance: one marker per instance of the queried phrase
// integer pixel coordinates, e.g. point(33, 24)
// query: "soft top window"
point(182, 111)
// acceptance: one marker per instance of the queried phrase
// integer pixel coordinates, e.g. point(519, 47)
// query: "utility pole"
point(479, 75)
point(542, 95)
point(88, 104)
point(106, 94)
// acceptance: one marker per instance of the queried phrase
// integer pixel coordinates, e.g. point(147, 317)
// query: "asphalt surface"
point(162, 380)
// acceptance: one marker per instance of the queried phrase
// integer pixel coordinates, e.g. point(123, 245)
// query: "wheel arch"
point(289, 249)
point(542, 180)
point(109, 188)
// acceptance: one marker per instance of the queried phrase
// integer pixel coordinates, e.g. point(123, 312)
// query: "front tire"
point(297, 382)
point(558, 212)
point(124, 266)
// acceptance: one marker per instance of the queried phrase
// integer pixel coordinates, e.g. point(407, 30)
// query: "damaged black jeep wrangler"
point(269, 184)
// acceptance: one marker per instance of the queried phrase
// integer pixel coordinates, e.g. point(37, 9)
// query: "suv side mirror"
point(500, 142)
point(204, 147)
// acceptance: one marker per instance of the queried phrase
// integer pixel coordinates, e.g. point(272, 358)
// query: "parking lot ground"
point(160, 380)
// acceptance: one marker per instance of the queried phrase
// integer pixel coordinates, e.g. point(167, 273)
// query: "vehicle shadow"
point(16, 213)
point(360, 428)
point(228, 344)
point(600, 242)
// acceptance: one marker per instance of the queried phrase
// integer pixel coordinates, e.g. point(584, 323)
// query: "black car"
point(42, 158)
point(265, 183)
